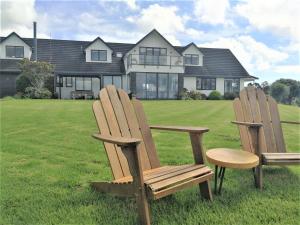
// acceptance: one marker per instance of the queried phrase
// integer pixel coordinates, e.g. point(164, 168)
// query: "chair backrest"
point(119, 116)
point(254, 106)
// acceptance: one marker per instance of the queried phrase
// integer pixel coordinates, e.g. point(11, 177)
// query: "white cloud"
point(212, 11)
point(132, 4)
point(280, 17)
point(287, 69)
point(255, 56)
point(18, 16)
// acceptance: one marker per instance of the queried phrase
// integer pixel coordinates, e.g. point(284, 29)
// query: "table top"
point(230, 158)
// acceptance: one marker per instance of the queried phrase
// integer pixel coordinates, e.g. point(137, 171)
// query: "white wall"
point(98, 45)
point(14, 40)
point(190, 84)
point(193, 50)
point(155, 40)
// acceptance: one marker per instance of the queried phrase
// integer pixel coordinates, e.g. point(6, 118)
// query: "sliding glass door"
point(156, 85)
point(231, 85)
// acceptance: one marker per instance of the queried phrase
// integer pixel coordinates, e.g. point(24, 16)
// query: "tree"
point(293, 87)
point(279, 91)
point(36, 75)
point(265, 87)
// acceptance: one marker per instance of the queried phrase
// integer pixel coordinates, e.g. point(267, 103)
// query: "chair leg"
point(258, 176)
point(143, 208)
point(205, 190)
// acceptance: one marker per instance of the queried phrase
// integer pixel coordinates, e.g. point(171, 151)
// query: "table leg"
point(216, 179)
point(221, 179)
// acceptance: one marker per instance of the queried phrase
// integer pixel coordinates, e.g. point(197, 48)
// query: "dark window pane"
point(208, 84)
point(156, 51)
point(19, 51)
point(162, 85)
point(151, 86)
point(87, 84)
point(10, 51)
point(173, 85)
point(198, 83)
point(188, 59)
point(103, 55)
point(141, 85)
point(195, 59)
point(149, 51)
point(94, 55)
point(142, 50)
point(69, 82)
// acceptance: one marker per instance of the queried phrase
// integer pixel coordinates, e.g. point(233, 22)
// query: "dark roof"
point(217, 62)
point(68, 56)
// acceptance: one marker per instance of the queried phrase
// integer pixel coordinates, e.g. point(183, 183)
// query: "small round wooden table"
point(229, 158)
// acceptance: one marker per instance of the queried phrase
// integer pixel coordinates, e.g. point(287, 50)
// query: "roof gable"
point(191, 45)
point(14, 34)
point(154, 31)
point(97, 39)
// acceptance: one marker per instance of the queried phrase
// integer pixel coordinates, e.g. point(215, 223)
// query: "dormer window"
point(15, 51)
point(191, 59)
point(98, 55)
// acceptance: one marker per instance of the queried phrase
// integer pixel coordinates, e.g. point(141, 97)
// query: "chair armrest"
point(290, 122)
point(248, 124)
point(121, 141)
point(181, 128)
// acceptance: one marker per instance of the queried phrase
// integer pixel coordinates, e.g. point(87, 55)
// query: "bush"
point(203, 96)
point(279, 91)
point(214, 95)
point(195, 95)
point(230, 95)
point(22, 83)
point(37, 93)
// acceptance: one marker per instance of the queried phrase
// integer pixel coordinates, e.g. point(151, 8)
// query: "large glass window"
point(83, 83)
point(191, 59)
point(153, 56)
point(153, 85)
point(173, 85)
point(232, 85)
point(15, 51)
point(98, 55)
point(163, 85)
point(115, 80)
point(141, 85)
point(206, 83)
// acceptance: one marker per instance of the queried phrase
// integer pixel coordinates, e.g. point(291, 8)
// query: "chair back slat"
point(274, 112)
point(121, 119)
point(254, 106)
point(146, 133)
point(111, 152)
point(134, 127)
point(113, 127)
point(239, 114)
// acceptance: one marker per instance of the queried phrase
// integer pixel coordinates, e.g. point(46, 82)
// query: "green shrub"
point(203, 96)
point(214, 95)
point(22, 83)
point(230, 95)
point(194, 95)
point(37, 93)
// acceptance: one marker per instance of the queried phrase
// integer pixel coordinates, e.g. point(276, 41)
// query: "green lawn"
point(48, 158)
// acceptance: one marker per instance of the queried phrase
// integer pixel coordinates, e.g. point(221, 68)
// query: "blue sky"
point(264, 37)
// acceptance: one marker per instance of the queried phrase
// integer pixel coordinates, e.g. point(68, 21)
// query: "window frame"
point(113, 79)
point(69, 84)
point(156, 59)
point(211, 87)
point(83, 84)
point(98, 55)
point(15, 51)
point(232, 81)
point(190, 57)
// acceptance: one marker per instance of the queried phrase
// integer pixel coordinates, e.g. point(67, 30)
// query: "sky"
point(263, 35)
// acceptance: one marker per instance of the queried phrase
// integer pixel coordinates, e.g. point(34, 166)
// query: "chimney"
point(34, 49)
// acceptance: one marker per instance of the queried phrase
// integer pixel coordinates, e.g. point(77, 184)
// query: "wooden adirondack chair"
point(132, 154)
point(260, 129)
